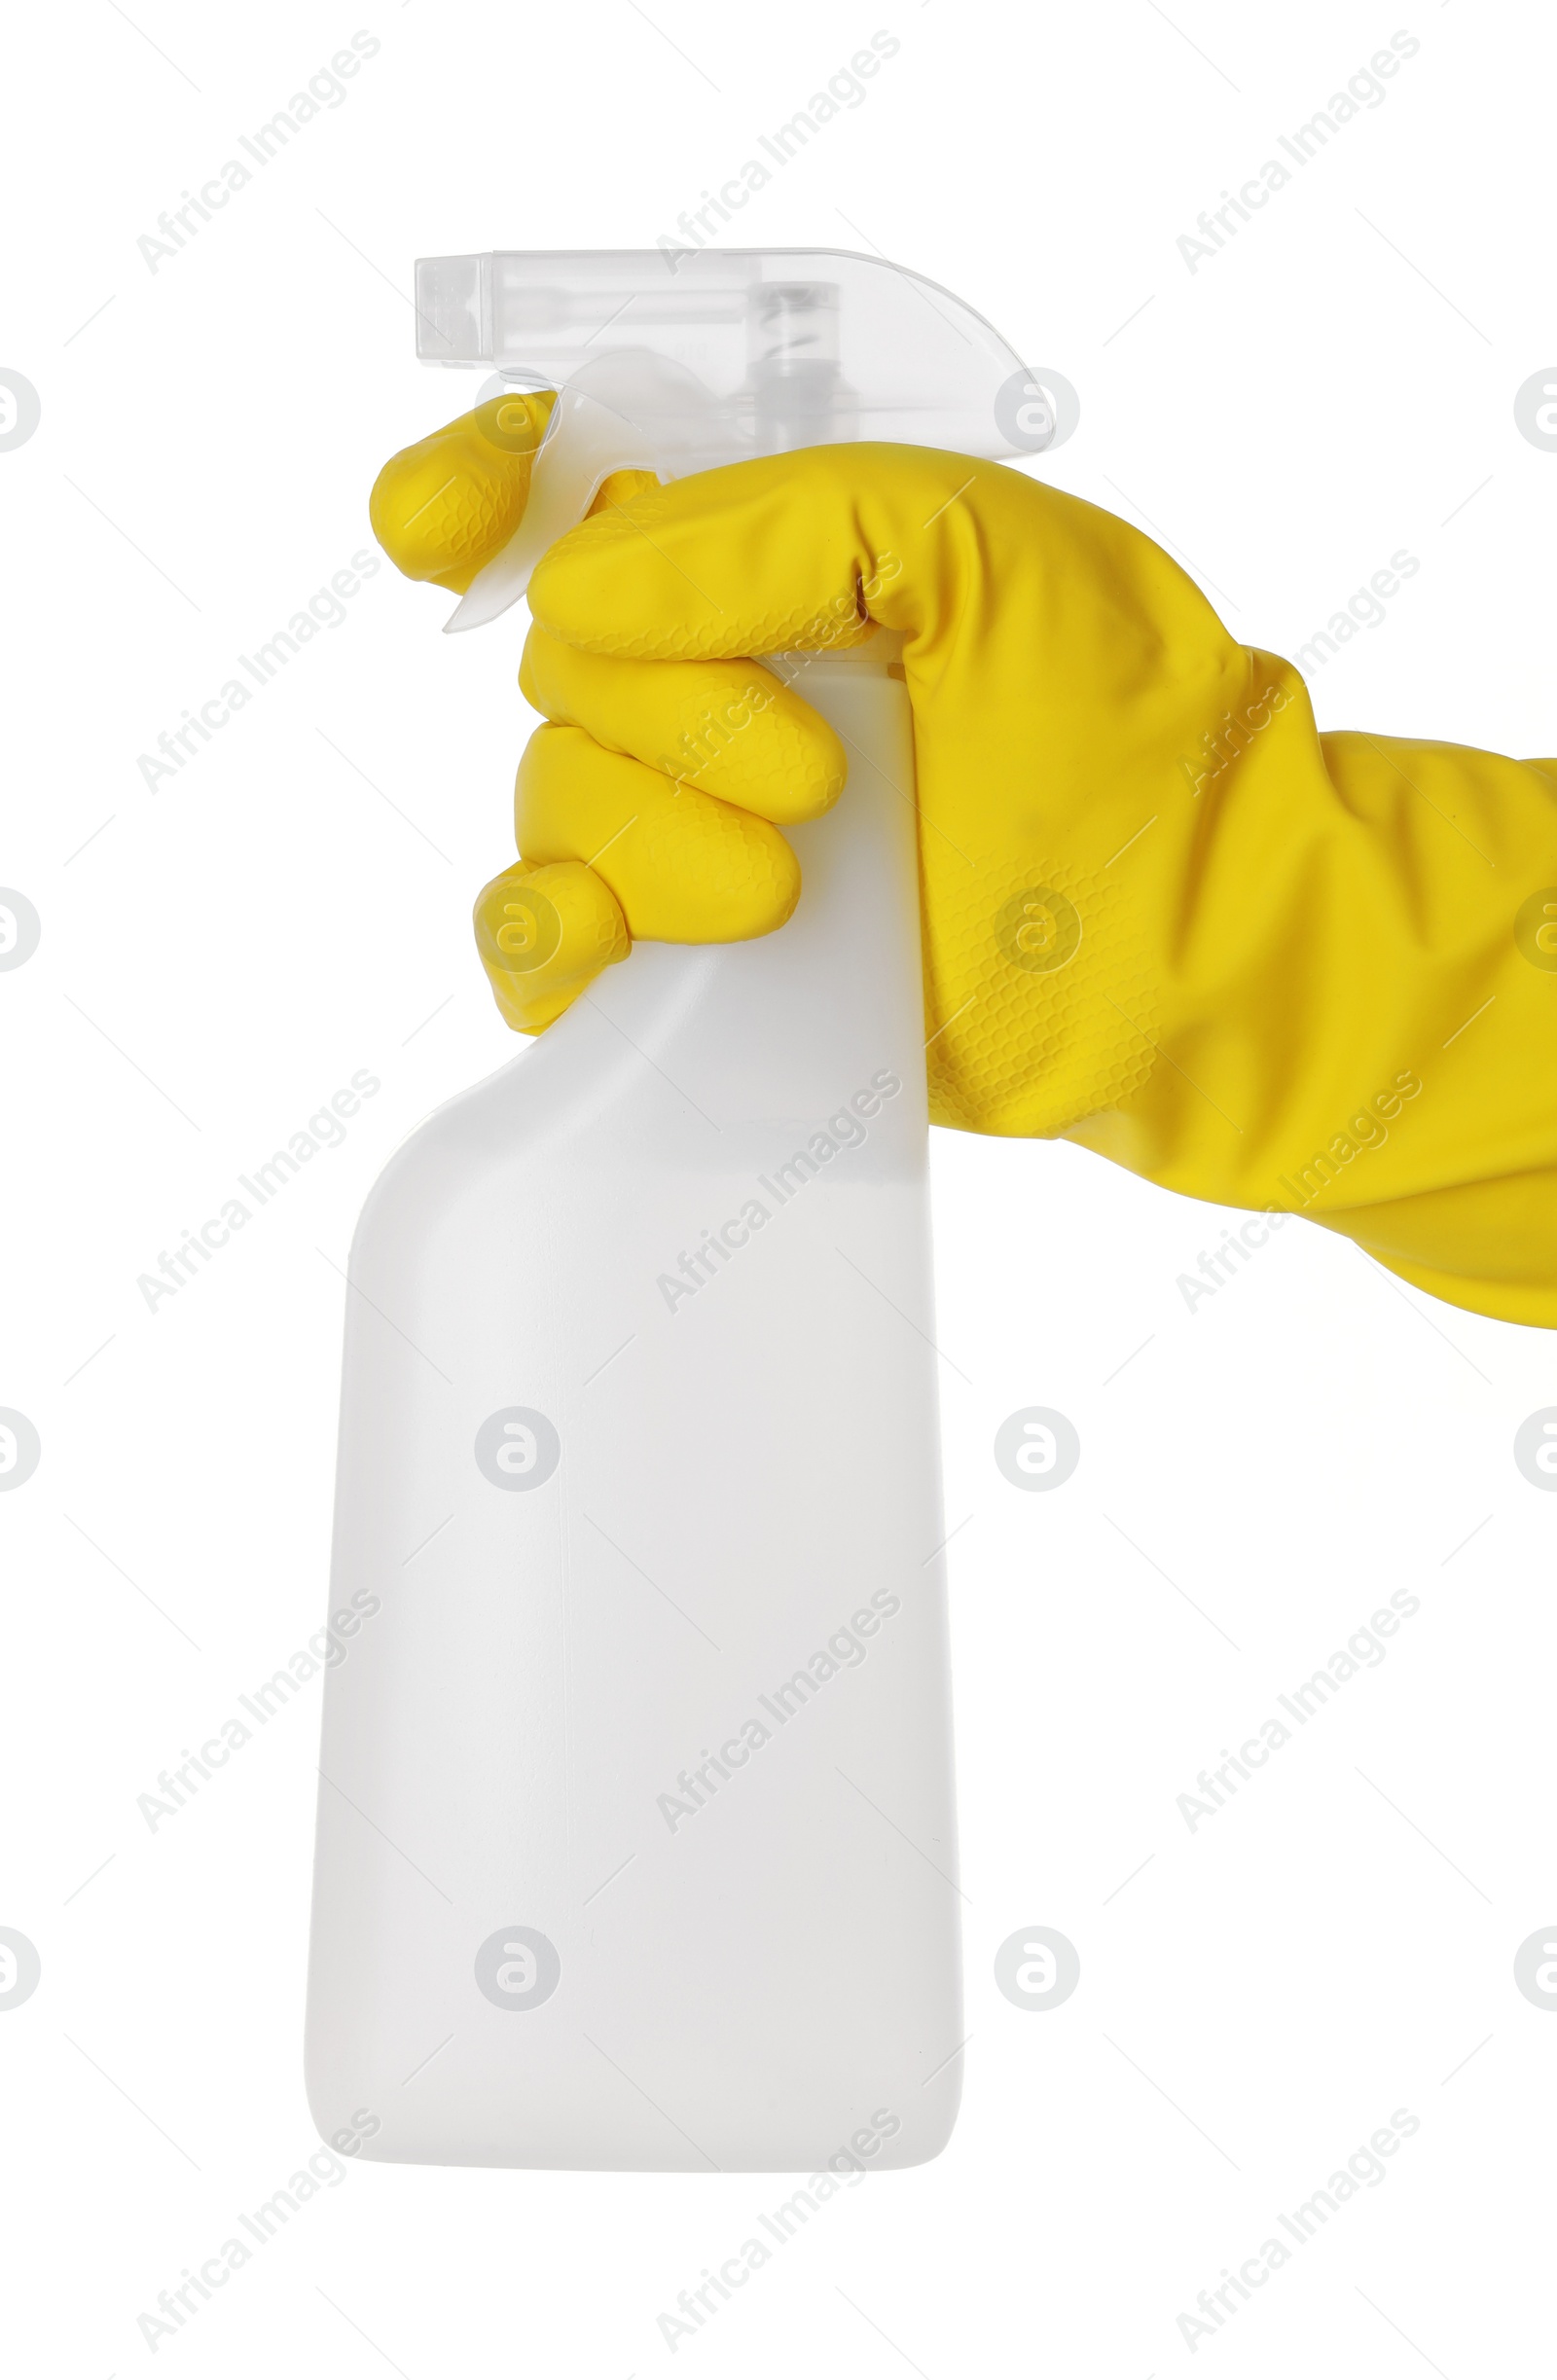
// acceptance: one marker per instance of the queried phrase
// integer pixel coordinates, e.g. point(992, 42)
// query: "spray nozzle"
point(675, 362)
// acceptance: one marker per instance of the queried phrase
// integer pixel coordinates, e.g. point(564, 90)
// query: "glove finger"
point(543, 934)
point(683, 866)
point(729, 728)
point(786, 553)
point(443, 508)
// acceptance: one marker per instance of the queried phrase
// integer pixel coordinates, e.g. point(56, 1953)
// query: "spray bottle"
point(635, 1836)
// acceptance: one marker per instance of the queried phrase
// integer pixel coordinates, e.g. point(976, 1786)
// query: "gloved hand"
point(1160, 914)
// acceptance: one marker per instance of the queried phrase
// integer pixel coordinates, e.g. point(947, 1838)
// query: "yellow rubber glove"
point(1162, 914)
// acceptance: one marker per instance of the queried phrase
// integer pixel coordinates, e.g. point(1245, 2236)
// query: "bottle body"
point(636, 1845)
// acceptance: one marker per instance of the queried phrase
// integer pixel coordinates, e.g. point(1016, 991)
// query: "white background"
point(218, 957)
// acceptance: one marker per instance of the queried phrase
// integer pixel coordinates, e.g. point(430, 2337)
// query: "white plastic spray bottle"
point(635, 1843)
